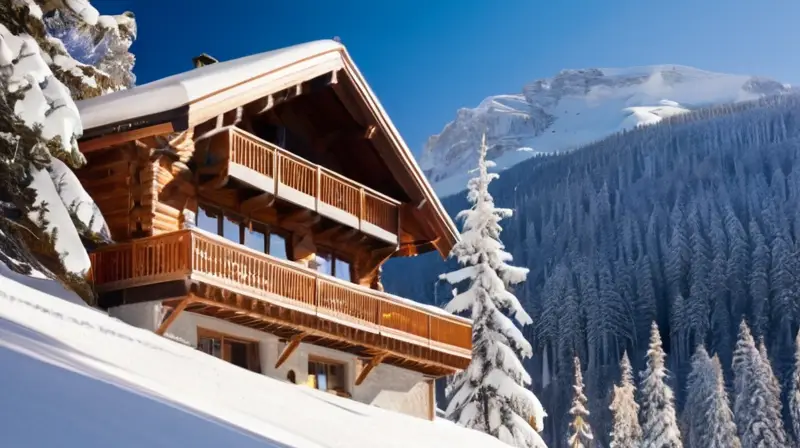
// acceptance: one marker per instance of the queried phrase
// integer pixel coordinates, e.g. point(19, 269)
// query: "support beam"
point(377, 359)
point(294, 342)
point(172, 316)
point(257, 202)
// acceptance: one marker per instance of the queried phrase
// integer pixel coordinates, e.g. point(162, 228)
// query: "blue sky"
point(426, 59)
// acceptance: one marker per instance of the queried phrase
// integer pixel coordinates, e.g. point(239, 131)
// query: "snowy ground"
point(72, 376)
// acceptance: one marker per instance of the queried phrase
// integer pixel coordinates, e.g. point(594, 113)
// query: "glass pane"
point(342, 270)
point(322, 377)
point(277, 246)
point(323, 264)
point(205, 221)
point(210, 346)
point(230, 229)
point(254, 239)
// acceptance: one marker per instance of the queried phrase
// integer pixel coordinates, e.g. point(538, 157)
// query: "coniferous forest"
point(693, 223)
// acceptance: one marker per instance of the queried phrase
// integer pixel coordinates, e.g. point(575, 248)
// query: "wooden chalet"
point(253, 203)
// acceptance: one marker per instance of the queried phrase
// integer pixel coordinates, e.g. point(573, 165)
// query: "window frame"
point(244, 224)
point(341, 366)
point(254, 345)
point(334, 257)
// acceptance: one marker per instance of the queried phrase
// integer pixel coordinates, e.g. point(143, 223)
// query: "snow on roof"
point(269, 72)
point(184, 88)
point(90, 380)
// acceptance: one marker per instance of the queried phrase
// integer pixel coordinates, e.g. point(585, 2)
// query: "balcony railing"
point(208, 258)
point(299, 181)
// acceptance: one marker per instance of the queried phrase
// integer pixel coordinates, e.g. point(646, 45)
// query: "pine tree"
point(794, 394)
point(757, 406)
point(708, 413)
point(491, 394)
point(659, 423)
point(39, 127)
point(580, 431)
point(626, 431)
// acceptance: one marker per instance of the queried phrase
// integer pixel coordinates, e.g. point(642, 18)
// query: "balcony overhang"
point(282, 175)
point(231, 282)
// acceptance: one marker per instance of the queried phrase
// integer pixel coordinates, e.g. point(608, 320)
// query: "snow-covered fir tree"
point(580, 435)
point(659, 422)
point(492, 393)
point(39, 127)
point(708, 412)
point(738, 165)
point(626, 431)
point(794, 392)
point(757, 405)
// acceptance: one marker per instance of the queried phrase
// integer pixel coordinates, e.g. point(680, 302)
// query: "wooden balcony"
point(233, 282)
point(276, 171)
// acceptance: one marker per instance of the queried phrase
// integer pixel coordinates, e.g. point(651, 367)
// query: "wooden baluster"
point(429, 330)
point(319, 188)
point(360, 207)
point(276, 173)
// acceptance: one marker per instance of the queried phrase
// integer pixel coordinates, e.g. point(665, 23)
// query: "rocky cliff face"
point(574, 108)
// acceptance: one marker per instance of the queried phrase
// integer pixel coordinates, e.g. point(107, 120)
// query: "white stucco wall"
point(387, 386)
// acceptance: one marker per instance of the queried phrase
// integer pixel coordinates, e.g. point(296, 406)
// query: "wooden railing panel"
point(321, 183)
point(152, 259)
point(380, 213)
point(403, 318)
point(337, 193)
point(249, 151)
point(445, 331)
point(298, 175)
point(346, 303)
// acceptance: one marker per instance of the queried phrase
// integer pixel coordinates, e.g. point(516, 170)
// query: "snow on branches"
point(492, 394)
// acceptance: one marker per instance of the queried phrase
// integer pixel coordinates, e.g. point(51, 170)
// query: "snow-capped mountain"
point(574, 108)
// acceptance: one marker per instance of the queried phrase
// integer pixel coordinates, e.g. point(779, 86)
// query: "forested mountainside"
point(694, 223)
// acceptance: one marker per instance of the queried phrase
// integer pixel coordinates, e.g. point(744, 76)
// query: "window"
point(332, 264)
point(237, 351)
point(208, 220)
point(277, 246)
point(256, 236)
point(326, 375)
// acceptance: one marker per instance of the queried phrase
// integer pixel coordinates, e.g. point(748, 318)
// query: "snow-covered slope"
point(574, 108)
point(72, 376)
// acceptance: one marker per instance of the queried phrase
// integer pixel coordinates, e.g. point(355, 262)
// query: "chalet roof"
point(190, 98)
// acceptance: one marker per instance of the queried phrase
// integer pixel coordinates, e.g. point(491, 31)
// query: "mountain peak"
point(576, 107)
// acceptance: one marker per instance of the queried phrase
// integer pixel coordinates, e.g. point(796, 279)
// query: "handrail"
point(194, 250)
point(310, 164)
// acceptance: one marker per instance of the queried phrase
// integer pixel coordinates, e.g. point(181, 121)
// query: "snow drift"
point(72, 376)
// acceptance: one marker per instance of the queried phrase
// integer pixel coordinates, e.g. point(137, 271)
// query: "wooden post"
point(318, 189)
point(172, 316)
point(360, 207)
point(276, 168)
point(377, 359)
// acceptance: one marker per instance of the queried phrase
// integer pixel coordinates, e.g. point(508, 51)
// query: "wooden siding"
point(198, 256)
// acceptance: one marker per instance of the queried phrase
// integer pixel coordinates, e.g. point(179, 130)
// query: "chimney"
point(202, 60)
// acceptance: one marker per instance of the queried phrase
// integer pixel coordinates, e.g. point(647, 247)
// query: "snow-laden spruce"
point(492, 394)
point(580, 435)
point(709, 419)
point(757, 405)
point(626, 431)
point(659, 423)
point(794, 393)
point(39, 126)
